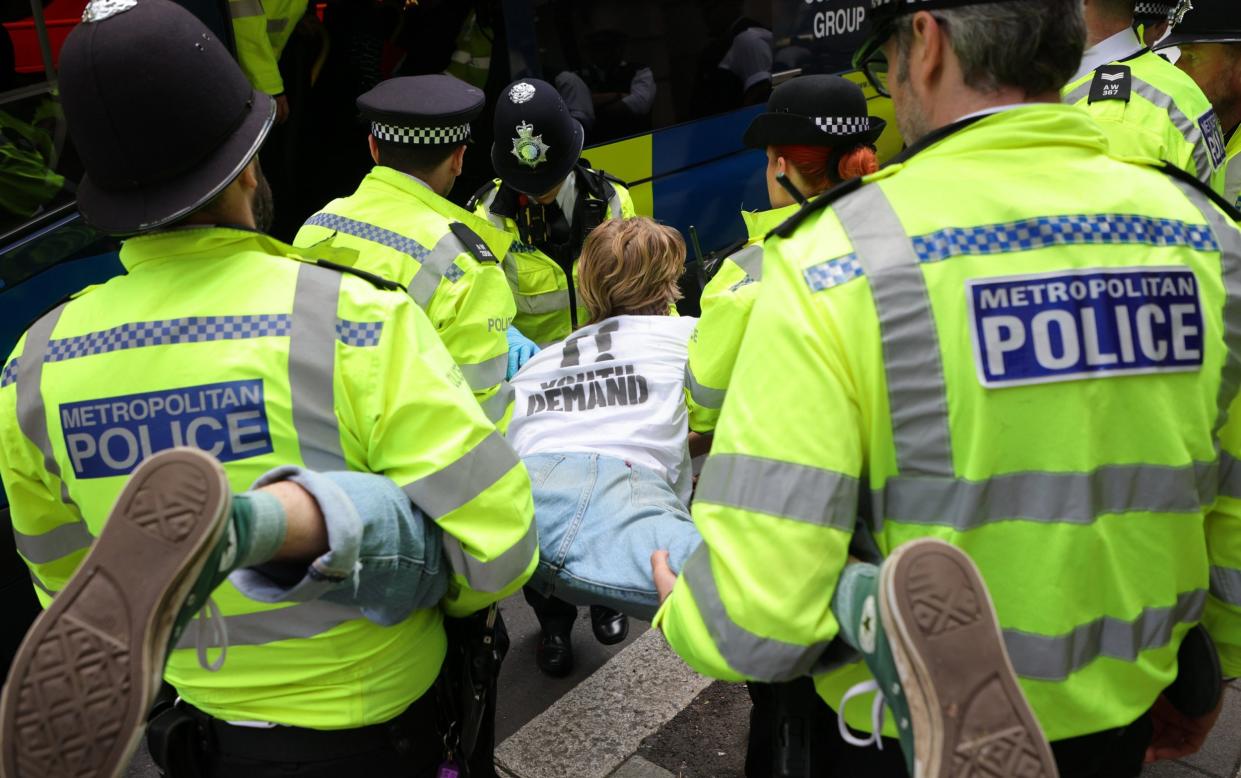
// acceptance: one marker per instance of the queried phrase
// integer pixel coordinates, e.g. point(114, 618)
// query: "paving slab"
point(597, 726)
point(637, 767)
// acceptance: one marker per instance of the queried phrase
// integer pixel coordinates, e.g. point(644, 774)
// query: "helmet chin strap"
point(793, 191)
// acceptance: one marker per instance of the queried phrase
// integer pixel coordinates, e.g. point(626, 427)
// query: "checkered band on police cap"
point(842, 125)
point(428, 136)
point(1154, 8)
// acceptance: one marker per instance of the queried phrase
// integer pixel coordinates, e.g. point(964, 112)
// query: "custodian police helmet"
point(536, 141)
point(159, 112)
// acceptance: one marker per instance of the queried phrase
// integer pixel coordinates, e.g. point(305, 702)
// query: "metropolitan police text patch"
point(1214, 137)
point(111, 436)
point(1085, 323)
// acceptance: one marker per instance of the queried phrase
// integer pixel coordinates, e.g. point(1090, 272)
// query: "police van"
point(664, 88)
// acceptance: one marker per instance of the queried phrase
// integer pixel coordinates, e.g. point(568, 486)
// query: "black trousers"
point(554, 614)
point(783, 711)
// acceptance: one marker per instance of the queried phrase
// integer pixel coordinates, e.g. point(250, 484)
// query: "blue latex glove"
point(520, 349)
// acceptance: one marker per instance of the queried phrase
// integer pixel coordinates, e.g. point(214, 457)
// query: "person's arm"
point(726, 305)
point(641, 97)
point(51, 536)
point(423, 429)
point(776, 500)
point(254, 50)
point(472, 315)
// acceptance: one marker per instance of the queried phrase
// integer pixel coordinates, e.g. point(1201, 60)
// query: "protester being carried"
point(601, 423)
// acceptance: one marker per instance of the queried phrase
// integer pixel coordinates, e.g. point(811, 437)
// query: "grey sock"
point(264, 517)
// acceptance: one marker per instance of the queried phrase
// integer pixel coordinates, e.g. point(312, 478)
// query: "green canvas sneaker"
point(84, 678)
point(926, 627)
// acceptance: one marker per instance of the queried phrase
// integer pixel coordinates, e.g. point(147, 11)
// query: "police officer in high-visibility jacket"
point(221, 338)
point(816, 133)
point(402, 226)
point(1147, 107)
point(1209, 37)
point(261, 28)
point(1047, 382)
point(1152, 18)
point(548, 201)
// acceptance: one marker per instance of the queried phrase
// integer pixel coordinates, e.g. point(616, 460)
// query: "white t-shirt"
point(614, 388)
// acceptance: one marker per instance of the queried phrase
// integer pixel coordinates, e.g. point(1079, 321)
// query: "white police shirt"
point(614, 388)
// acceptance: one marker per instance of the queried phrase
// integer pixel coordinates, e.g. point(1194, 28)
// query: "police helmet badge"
point(1177, 14)
point(521, 92)
point(529, 148)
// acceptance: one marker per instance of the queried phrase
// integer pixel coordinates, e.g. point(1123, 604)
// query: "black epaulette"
point(817, 204)
point(613, 178)
point(379, 282)
point(478, 196)
point(474, 244)
point(1201, 186)
point(1111, 82)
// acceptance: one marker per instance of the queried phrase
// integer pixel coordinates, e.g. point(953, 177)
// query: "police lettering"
point(605, 387)
point(1031, 329)
point(108, 437)
point(844, 21)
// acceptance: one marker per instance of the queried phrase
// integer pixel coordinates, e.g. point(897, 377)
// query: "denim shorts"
point(599, 520)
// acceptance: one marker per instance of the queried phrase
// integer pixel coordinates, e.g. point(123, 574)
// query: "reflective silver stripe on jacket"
point(312, 367)
point(497, 404)
point(484, 375)
point(1051, 497)
point(782, 489)
point(241, 9)
point(1226, 584)
point(1056, 657)
point(435, 266)
point(54, 544)
point(1186, 126)
point(703, 395)
point(749, 259)
point(500, 572)
point(32, 420)
point(1229, 476)
point(302, 620)
point(754, 656)
point(276, 26)
point(615, 207)
point(446, 490)
point(915, 374)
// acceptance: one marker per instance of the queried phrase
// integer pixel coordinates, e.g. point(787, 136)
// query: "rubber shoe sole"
point(81, 685)
point(970, 718)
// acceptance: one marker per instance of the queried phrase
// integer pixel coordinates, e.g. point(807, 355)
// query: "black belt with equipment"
point(180, 736)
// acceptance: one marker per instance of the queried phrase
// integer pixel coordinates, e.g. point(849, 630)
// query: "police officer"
point(261, 28)
point(400, 225)
point(1044, 381)
point(1146, 106)
point(816, 133)
point(1151, 17)
point(221, 338)
point(1209, 37)
point(547, 199)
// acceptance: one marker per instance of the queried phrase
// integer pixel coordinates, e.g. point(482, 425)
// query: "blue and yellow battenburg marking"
point(109, 436)
point(1075, 324)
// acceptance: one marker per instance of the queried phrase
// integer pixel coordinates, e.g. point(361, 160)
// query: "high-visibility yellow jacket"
point(1158, 112)
point(1039, 380)
point(261, 28)
point(1232, 170)
point(446, 257)
point(27, 180)
point(547, 307)
point(726, 303)
point(214, 340)
point(471, 60)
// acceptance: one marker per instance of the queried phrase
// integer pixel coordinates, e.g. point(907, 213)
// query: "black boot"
point(555, 651)
point(610, 627)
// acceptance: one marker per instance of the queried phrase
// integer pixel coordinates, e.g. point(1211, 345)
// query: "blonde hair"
point(630, 266)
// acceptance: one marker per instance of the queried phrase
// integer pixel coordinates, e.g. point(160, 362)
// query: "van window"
point(817, 36)
point(631, 66)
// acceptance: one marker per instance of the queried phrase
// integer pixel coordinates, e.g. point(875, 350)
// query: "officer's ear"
point(458, 160)
point(374, 147)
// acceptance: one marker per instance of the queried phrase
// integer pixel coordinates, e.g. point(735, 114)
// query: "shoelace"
point(876, 716)
point(211, 615)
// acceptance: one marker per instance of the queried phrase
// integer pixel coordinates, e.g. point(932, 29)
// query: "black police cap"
point(425, 110)
point(815, 110)
point(159, 112)
point(536, 141)
point(883, 13)
point(1154, 10)
point(1207, 21)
